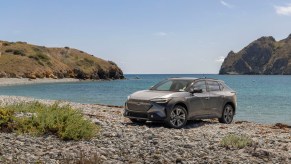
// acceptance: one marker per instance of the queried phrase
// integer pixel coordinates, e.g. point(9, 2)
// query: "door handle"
point(207, 98)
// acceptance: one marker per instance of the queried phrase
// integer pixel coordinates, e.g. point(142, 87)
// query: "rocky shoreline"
point(121, 141)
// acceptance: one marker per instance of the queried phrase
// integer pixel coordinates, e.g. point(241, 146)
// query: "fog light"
point(152, 116)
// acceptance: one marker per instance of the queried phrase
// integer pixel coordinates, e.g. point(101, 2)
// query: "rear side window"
point(213, 86)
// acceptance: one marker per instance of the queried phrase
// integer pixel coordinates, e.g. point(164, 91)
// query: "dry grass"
point(235, 141)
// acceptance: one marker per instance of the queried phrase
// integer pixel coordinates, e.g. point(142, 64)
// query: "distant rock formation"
point(265, 56)
point(30, 61)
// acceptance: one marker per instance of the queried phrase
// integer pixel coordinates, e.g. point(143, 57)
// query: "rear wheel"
point(177, 117)
point(227, 115)
point(137, 120)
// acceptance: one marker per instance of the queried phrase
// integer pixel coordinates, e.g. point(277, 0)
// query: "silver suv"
point(177, 100)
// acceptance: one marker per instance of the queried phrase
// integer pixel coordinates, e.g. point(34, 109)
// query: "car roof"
point(193, 78)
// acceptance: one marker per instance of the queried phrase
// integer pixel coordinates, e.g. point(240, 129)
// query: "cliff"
point(263, 56)
point(19, 59)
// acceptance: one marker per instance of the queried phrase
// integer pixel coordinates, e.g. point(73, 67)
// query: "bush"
point(16, 52)
point(236, 141)
point(62, 121)
point(19, 52)
point(6, 120)
point(89, 61)
point(21, 42)
point(40, 57)
point(6, 44)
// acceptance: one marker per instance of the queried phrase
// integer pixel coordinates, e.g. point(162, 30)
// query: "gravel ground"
point(121, 141)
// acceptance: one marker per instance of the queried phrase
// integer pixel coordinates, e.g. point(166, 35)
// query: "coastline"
point(27, 81)
point(121, 141)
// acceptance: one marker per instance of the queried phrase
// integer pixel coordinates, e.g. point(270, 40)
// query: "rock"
point(263, 56)
point(30, 75)
point(3, 74)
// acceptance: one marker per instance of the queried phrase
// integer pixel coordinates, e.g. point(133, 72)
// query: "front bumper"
point(156, 112)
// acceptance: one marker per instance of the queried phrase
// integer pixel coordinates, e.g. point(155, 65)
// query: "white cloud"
point(161, 34)
point(220, 59)
point(283, 10)
point(226, 4)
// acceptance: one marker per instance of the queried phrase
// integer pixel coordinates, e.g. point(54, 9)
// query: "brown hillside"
point(30, 61)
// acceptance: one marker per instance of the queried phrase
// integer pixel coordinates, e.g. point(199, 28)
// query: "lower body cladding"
point(155, 112)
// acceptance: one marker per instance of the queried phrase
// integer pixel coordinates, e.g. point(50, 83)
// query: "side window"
point(221, 87)
point(165, 87)
point(213, 86)
point(200, 85)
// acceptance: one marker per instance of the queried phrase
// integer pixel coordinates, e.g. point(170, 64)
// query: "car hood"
point(151, 94)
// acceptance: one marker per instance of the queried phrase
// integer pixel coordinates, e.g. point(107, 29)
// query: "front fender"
point(172, 103)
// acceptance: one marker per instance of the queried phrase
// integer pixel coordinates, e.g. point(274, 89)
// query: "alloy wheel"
point(228, 114)
point(177, 117)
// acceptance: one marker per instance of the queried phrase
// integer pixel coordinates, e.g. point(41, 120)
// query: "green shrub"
point(36, 49)
point(19, 52)
point(89, 61)
point(15, 52)
point(9, 50)
point(236, 141)
point(6, 44)
point(6, 120)
point(40, 58)
point(62, 121)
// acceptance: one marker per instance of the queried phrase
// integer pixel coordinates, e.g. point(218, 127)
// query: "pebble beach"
point(25, 81)
point(121, 141)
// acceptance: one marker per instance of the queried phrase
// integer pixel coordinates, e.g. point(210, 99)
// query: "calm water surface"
point(264, 99)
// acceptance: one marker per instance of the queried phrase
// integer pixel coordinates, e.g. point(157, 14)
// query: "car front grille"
point(138, 105)
point(138, 115)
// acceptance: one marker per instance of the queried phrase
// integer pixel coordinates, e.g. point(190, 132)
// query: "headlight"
point(160, 100)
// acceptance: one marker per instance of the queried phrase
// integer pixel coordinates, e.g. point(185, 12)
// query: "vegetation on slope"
point(30, 61)
point(263, 56)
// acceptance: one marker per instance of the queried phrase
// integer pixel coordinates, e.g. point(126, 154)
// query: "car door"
point(198, 101)
point(215, 98)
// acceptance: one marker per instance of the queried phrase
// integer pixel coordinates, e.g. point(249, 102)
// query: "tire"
point(177, 117)
point(139, 121)
point(227, 115)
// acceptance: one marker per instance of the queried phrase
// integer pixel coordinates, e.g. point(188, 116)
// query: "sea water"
point(263, 99)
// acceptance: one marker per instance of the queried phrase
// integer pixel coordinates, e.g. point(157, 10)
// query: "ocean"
point(262, 99)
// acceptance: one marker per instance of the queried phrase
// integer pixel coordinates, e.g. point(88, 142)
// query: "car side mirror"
point(195, 90)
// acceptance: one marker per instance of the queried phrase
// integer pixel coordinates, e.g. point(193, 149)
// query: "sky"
point(148, 36)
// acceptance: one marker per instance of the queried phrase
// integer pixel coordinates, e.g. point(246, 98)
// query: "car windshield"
point(172, 85)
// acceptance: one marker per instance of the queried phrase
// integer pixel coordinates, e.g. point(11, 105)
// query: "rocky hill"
point(263, 56)
point(19, 59)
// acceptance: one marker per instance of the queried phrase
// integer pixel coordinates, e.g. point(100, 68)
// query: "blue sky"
point(148, 36)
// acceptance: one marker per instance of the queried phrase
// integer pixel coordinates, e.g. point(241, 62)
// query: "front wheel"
point(227, 115)
point(177, 117)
